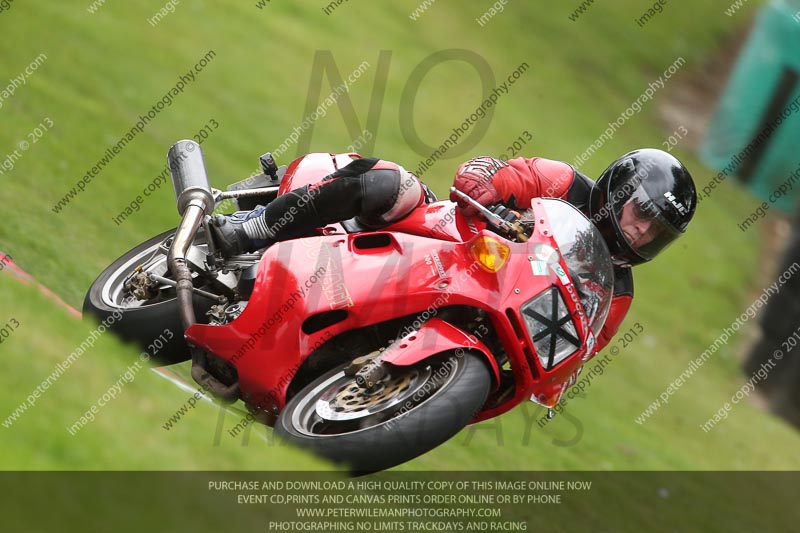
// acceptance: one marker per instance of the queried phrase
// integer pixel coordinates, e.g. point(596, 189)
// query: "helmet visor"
point(640, 221)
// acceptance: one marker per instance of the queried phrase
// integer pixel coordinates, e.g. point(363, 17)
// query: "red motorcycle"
point(369, 347)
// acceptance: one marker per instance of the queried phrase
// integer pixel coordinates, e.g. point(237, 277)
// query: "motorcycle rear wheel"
point(141, 321)
point(413, 410)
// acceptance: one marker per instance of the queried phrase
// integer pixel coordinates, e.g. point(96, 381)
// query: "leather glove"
point(474, 178)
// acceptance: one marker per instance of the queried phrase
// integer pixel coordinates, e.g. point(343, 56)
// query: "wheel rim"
point(114, 293)
point(152, 259)
point(338, 405)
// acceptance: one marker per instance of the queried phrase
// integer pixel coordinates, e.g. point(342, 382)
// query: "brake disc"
point(349, 401)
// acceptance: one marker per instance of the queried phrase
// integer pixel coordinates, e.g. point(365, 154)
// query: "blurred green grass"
point(127, 432)
point(105, 70)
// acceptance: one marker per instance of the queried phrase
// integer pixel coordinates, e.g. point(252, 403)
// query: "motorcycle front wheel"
point(408, 413)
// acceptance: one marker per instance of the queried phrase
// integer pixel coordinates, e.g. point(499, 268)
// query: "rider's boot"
point(239, 233)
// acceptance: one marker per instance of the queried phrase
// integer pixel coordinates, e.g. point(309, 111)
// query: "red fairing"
point(409, 273)
point(524, 178)
point(616, 314)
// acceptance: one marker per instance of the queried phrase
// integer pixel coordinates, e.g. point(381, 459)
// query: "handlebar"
point(512, 229)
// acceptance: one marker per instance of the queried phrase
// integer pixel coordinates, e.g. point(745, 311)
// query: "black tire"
point(141, 325)
point(399, 431)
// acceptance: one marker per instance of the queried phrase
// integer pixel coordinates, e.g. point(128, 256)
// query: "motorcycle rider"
point(641, 203)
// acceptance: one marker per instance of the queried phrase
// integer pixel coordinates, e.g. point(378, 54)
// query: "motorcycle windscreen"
point(587, 257)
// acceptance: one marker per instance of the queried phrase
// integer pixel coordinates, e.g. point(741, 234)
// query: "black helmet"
point(642, 202)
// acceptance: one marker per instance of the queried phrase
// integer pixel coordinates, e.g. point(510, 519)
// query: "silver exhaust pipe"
point(189, 176)
point(194, 200)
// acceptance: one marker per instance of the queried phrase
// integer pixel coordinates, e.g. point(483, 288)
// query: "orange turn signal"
point(490, 254)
